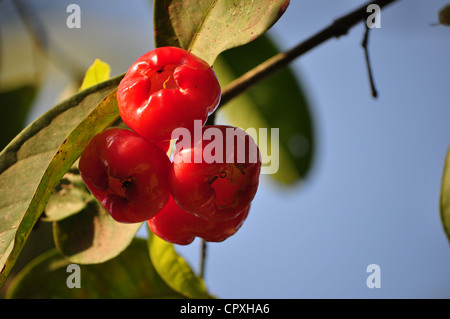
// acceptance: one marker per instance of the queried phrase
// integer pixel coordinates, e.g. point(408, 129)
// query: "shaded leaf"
point(92, 236)
point(208, 27)
point(39, 241)
point(36, 160)
point(174, 270)
point(14, 107)
point(70, 197)
point(278, 102)
point(164, 33)
point(129, 275)
point(98, 72)
point(445, 196)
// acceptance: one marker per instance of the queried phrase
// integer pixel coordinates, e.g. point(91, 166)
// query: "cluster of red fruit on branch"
point(206, 189)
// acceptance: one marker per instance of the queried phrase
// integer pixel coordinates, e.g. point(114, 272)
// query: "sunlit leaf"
point(174, 270)
point(98, 72)
point(209, 27)
point(445, 196)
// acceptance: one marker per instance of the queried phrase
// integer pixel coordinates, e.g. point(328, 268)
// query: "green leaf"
point(278, 102)
point(32, 165)
point(445, 196)
point(98, 72)
point(130, 275)
point(92, 236)
point(14, 106)
point(69, 197)
point(208, 27)
point(162, 27)
point(174, 270)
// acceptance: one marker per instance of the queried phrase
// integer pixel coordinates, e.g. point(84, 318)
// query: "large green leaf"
point(445, 196)
point(36, 160)
point(129, 275)
point(174, 270)
point(278, 102)
point(208, 27)
point(14, 106)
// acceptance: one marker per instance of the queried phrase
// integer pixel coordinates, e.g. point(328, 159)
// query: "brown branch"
point(338, 28)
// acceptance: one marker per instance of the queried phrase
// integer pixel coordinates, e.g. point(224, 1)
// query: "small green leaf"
point(130, 275)
point(32, 165)
point(92, 236)
point(208, 27)
point(14, 106)
point(445, 196)
point(98, 72)
point(174, 270)
point(278, 102)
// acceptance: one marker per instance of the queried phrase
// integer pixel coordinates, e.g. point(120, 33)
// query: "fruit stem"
point(203, 249)
point(365, 44)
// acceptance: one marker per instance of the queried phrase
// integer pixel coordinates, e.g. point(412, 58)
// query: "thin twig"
point(338, 28)
point(202, 258)
point(365, 44)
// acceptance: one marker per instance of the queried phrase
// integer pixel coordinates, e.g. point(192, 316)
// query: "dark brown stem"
point(338, 28)
point(365, 44)
point(202, 258)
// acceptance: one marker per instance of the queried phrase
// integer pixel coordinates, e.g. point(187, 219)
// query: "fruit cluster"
point(206, 189)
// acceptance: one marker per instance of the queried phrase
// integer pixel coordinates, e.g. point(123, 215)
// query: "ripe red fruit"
point(215, 178)
point(177, 226)
point(127, 174)
point(167, 88)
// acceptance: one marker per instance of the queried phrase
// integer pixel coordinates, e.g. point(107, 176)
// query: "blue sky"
point(373, 194)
